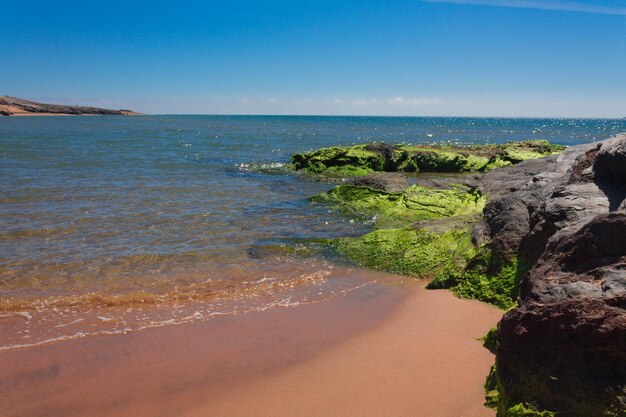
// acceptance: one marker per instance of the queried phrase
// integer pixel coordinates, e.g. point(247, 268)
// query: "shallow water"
point(102, 216)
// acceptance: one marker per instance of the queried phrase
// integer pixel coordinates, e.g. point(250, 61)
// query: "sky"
point(521, 58)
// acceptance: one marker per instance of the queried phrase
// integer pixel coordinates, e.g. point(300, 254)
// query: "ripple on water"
point(117, 224)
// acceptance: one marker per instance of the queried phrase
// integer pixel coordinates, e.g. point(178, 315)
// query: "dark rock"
point(564, 347)
point(390, 182)
point(610, 163)
point(382, 148)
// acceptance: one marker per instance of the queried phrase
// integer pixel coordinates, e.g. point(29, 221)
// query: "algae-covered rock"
point(421, 232)
point(490, 340)
point(397, 209)
point(414, 252)
point(342, 161)
point(363, 159)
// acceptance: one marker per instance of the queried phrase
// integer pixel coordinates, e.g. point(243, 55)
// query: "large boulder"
point(564, 218)
point(564, 348)
point(610, 163)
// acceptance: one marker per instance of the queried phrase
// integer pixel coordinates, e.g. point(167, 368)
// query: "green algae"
point(524, 410)
point(544, 387)
point(487, 278)
point(413, 252)
point(363, 159)
point(401, 209)
point(499, 289)
point(490, 340)
point(425, 232)
point(442, 219)
point(348, 161)
point(492, 395)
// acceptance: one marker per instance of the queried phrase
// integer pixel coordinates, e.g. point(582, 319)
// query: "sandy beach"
point(391, 351)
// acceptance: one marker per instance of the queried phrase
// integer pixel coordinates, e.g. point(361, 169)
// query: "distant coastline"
point(12, 106)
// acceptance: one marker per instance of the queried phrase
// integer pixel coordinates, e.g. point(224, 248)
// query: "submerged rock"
point(410, 251)
point(402, 209)
point(363, 159)
point(421, 231)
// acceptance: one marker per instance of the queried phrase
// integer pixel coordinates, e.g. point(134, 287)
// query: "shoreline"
point(26, 114)
point(384, 350)
point(13, 106)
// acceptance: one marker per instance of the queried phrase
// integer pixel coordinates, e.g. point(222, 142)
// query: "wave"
point(197, 291)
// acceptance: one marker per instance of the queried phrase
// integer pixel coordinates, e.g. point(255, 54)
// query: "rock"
point(12, 105)
point(402, 209)
point(363, 159)
point(563, 349)
point(390, 182)
point(551, 243)
point(610, 163)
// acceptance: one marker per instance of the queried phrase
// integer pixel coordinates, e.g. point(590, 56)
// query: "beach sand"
point(384, 351)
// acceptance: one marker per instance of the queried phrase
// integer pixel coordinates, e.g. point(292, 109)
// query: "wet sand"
point(379, 351)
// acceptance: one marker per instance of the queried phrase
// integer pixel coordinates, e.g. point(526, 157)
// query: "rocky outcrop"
point(10, 106)
point(563, 349)
point(364, 159)
point(551, 243)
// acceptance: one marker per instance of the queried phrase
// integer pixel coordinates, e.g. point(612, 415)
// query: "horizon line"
point(381, 115)
point(576, 7)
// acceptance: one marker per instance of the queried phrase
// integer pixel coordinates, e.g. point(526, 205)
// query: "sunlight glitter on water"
point(181, 214)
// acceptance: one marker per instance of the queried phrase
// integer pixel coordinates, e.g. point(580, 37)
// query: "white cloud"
point(245, 100)
point(364, 101)
point(414, 101)
point(272, 100)
point(569, 6)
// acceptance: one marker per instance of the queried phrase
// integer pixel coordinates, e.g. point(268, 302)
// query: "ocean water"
point(112, 224)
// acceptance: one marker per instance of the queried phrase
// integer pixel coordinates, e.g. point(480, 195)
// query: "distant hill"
point(11, 106)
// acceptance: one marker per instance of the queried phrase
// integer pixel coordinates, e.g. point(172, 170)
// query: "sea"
point(115, 224)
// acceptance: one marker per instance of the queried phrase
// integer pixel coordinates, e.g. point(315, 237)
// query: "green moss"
point(442, 213)
point(494, 399)
point(499, 289)
point(492, 396)
point(429, 159)
point(395, 210)
point(364, 159)
point(348, 161)
point(533, 380)
point(522, 410)
point(494, 281)
point(490, 340)
point(411, 252)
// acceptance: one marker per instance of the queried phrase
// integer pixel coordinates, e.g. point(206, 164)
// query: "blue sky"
point(457, 57)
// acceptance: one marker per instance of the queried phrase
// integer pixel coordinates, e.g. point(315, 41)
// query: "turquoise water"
point(151, 207)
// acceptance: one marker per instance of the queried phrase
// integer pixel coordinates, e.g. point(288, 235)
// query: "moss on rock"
point(490, 340)
point(494, 281)
point(401, 209)
point(420, 224)
point(339, 160)
point(363, 159)
point(413, 252)
point(524, 410)
point(492, 395)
